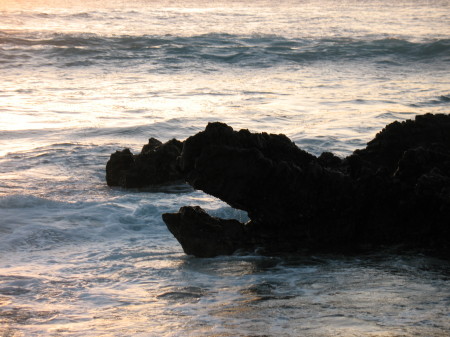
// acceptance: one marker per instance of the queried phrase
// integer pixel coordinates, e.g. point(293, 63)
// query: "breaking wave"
point(255, 51)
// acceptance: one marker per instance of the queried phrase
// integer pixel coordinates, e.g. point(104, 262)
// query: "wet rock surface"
point(396, 191)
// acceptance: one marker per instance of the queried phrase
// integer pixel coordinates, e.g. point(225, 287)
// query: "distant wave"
point(441, 100)
point(258, 51)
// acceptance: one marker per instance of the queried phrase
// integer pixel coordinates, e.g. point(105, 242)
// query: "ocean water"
point(81, 79)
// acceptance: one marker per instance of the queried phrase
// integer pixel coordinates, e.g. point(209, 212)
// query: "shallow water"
point(82, 79)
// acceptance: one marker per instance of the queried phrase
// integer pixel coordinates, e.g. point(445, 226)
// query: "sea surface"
point(81, 79)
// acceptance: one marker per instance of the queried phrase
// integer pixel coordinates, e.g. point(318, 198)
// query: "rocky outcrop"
point(203, 235)
point(156, 164)
point(395, 191)
point(290, 198)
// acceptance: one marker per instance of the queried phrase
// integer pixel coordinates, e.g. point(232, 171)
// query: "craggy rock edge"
point(155, 165)
point(395, 191)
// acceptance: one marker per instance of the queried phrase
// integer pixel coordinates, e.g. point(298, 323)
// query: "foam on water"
point(155, 290)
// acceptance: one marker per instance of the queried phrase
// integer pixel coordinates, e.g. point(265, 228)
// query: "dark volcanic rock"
point(395, 191)
point(389, 145)
point(118, 165)
point(203, 235)
point(285, 190)
point(156, 164)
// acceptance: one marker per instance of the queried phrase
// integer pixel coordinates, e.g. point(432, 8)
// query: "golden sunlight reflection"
point(20, 121)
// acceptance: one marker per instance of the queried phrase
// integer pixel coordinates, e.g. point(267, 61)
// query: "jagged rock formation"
point(156, 164)
point(203, 235)
point(395, 191)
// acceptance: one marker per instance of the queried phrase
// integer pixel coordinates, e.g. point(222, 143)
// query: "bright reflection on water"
point(305, 105)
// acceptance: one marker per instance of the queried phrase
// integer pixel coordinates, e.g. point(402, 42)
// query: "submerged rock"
point(395, 191)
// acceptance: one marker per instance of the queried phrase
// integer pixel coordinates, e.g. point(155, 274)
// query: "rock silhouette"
point(203, 235)
point(156, 164)
point(395, 191)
